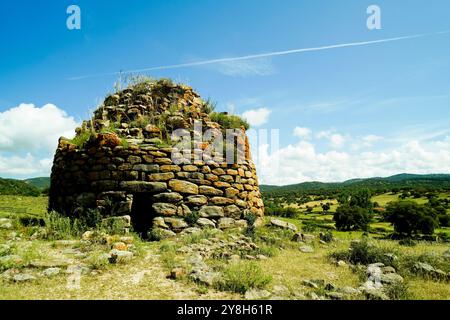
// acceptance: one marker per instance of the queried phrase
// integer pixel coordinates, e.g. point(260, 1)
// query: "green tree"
point(410, 218)
point(348, 218)
point(325, 207)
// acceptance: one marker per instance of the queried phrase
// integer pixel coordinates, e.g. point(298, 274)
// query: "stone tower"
point(155, 151)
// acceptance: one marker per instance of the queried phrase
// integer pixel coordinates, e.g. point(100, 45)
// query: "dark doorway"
point(142, 213)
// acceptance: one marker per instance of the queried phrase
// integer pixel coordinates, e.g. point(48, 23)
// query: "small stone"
point(307, 249)
point(22, 277)
point(120, 246)
point(117, 256)
point(177, 273)
point(51, 272)
point(309, 283)
point(334, 295)
point(341, 263)
point(257, 294)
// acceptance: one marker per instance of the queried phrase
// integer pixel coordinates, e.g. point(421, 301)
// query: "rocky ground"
point(272, 262)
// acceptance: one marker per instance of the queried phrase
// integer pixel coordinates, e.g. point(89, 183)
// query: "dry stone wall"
point(149, 182)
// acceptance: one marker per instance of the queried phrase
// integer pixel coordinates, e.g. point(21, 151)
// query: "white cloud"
point(257, 117)
point(29, 137)
point(336, 140)
point(29, 128)
point(371, 138)
point(302, 162)
point(302, 132)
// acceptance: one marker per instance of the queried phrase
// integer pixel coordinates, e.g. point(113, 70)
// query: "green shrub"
point(209, 106)
point(397, 291)
point(229, 121)
point(192, 217)
point(327, 236)
point(98, 260)
point(61, 227)
point(242, 276)
point(348, 218)
point(82, 138)
point(364, 252)
point(410, 218)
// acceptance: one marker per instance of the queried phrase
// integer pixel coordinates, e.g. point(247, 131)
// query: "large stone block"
point(183, 186)
point(171, 197)
point(211, 212)
point(143, 186)
point(164, 209)
point(210, 191)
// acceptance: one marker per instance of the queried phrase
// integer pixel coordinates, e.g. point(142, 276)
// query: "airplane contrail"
point(262, 55)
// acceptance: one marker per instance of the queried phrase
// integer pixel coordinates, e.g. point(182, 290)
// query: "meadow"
point(261, 263)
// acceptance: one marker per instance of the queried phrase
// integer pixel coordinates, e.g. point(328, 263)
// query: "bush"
point(229, 121)
point(363, 252)
point(192, 217)
point(242, 276)
point(327, 236)
point(348, 218)
point(410, 218)
point(61, 227)
point(81, 138)
point(278, 211)
point(397, 291)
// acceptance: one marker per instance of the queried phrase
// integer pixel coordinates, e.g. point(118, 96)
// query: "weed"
point(242, 276)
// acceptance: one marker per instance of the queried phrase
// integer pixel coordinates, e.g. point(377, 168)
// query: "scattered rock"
point(22, 277)
point(374, 294)
point(334, 295)
point(121, 246)
point(309, 283)
point(6, 223)
point(117, 256)
point(301, 237)
point(283, 224)
point(307, 249)
point(77, 269)
point(51, 272)
point(204, 277)
point(257, 294)
point(391, 278)
point(177, 273)
point(341, 263)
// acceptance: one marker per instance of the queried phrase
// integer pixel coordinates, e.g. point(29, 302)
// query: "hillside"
point(428, 181)
point(17, 187)
point(40, 182)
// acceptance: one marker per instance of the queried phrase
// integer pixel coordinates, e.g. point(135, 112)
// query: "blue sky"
point(359, 111)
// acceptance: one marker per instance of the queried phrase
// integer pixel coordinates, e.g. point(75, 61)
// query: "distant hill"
point(17, 187)
point(40, 182)
point(403, 180)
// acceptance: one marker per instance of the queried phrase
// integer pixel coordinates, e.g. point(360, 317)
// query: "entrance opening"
point(142, 213)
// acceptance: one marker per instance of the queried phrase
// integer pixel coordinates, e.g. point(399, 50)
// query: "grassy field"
point(284, 269)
